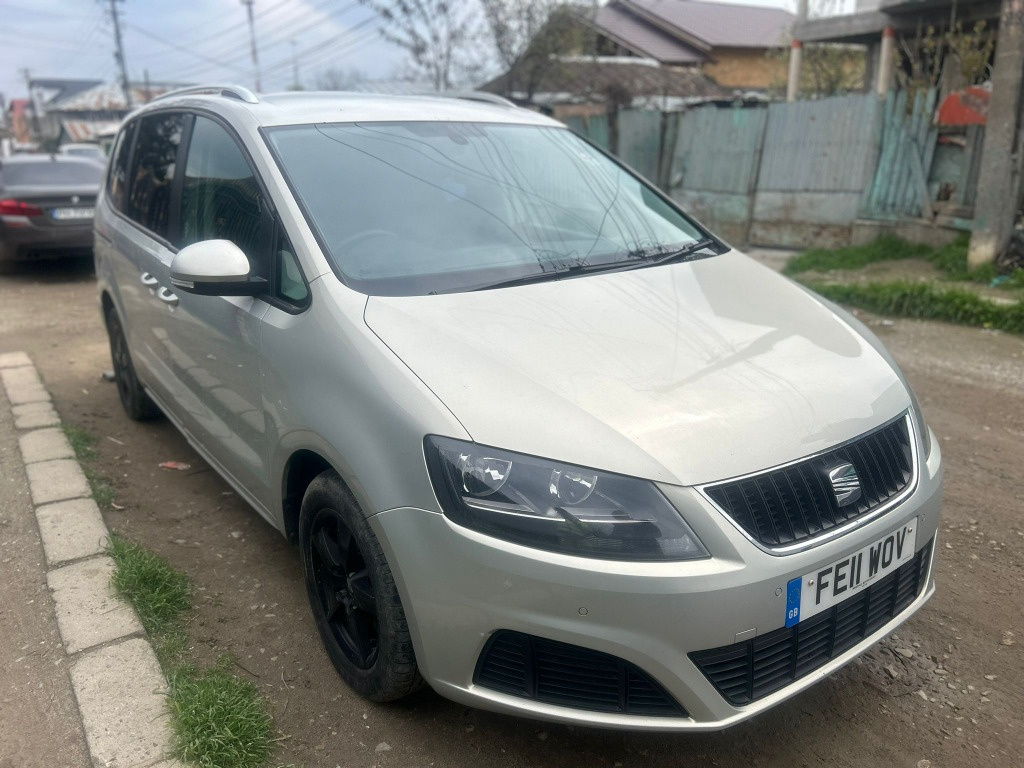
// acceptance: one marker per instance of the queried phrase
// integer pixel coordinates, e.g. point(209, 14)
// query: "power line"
point(177, 47)
point(339, 45)
point(281, 35)
point(259, 14)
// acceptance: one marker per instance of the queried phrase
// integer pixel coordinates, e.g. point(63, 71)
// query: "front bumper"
point(459, 588)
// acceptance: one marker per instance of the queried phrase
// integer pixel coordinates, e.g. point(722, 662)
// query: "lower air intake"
point(570, 676)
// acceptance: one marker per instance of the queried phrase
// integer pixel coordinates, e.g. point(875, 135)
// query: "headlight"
point(557, 507)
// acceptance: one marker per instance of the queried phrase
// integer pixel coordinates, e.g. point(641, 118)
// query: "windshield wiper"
point(573, 270)
point(687, 252)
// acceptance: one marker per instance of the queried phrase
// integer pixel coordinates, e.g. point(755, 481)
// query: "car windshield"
point(420, 207)
point(51, 173)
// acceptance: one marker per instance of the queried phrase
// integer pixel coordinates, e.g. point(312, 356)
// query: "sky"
point(194, 41)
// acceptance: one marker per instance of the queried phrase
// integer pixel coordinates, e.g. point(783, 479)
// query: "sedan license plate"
point(72, 213)
point(821, 589)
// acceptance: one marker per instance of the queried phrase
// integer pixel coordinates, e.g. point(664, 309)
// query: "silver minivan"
point(545, 443)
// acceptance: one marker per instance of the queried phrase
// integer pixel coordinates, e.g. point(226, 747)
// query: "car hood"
point(687, 373)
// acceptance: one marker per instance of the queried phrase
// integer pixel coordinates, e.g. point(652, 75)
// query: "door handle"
point(148, 280)
point(167, 297)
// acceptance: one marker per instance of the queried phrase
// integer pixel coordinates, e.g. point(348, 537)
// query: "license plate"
point(824, 587)
point(72, 213)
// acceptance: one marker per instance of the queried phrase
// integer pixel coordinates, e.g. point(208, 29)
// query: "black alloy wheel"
point(344, 589)
point(353, 595)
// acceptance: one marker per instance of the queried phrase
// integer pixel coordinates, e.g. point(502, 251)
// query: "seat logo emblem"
point(845, 484)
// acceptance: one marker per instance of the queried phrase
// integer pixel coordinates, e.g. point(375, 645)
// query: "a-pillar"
point(886, 61)
point(793, 86)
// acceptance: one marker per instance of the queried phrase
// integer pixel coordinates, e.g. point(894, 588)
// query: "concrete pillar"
point(793, 86)
point(886, 56)
point(999, 178)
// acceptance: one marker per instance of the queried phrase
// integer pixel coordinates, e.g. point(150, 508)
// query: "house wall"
point(745, 68)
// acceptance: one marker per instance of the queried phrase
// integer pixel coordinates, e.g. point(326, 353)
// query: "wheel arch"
point(300, 469)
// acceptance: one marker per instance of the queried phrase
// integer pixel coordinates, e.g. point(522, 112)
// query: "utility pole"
point(796, 50)
point(119, 53)
point(252, 42)
point(295, 68)
point(999, 180)
point(33, 101)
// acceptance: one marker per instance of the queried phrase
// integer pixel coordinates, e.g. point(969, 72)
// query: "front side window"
point(156, 153)
point(417, 207)
point(221, 198)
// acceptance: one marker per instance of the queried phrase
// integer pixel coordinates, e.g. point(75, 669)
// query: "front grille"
point(745, 672)
point(796, 503)
point(570, 676)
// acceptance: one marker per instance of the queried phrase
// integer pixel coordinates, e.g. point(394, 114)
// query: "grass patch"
point(84, 445)
point(926, 301)
point(160, 594)
point(82, 442)
point(224, 717)
point(885, 248)
point(950, 259)
point(219, 720)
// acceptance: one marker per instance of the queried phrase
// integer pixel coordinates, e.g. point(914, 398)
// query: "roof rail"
point(490, 98)
point(230, 91)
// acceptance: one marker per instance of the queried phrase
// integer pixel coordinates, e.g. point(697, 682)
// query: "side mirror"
point(214, 268)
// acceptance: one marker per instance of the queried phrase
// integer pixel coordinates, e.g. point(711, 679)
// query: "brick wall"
point(745, 68)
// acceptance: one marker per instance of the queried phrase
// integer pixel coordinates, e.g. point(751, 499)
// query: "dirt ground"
point(947, 691)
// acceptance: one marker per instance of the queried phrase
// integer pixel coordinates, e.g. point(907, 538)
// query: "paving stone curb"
point(116, 678)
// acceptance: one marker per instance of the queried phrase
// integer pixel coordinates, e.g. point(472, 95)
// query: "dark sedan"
point(46, 206)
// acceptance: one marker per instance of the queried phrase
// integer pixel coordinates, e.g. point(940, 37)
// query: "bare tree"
point(337, 79)
point(435, 33)
point(528, 35)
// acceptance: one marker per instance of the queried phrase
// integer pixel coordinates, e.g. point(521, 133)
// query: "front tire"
point(353, 595)
point(137, 404)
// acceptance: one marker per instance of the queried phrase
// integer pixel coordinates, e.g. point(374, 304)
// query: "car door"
point(140, 192)
point(211, 347)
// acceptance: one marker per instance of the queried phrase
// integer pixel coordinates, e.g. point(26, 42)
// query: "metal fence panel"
point(640, 140)
point(717, 149)
point(820, 146)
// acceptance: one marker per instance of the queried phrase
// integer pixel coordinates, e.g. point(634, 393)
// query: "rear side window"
point(221, 198)
point(52, 173)
point(156, 152)
point(117, 180)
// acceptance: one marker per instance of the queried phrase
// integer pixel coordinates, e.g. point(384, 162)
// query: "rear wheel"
point(137, 404)
point(353, 596)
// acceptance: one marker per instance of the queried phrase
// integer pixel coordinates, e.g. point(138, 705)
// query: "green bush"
point(926, 301)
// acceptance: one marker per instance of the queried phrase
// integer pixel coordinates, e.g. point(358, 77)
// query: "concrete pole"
point(999, 177)
point(252, 42)
point(796, 54)
point(793, 86)
point(886, 63)
point(119, 55)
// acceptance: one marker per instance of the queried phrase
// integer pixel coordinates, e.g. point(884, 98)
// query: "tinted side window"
point(221, 198)
point(153, 170)
point(117, 180)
